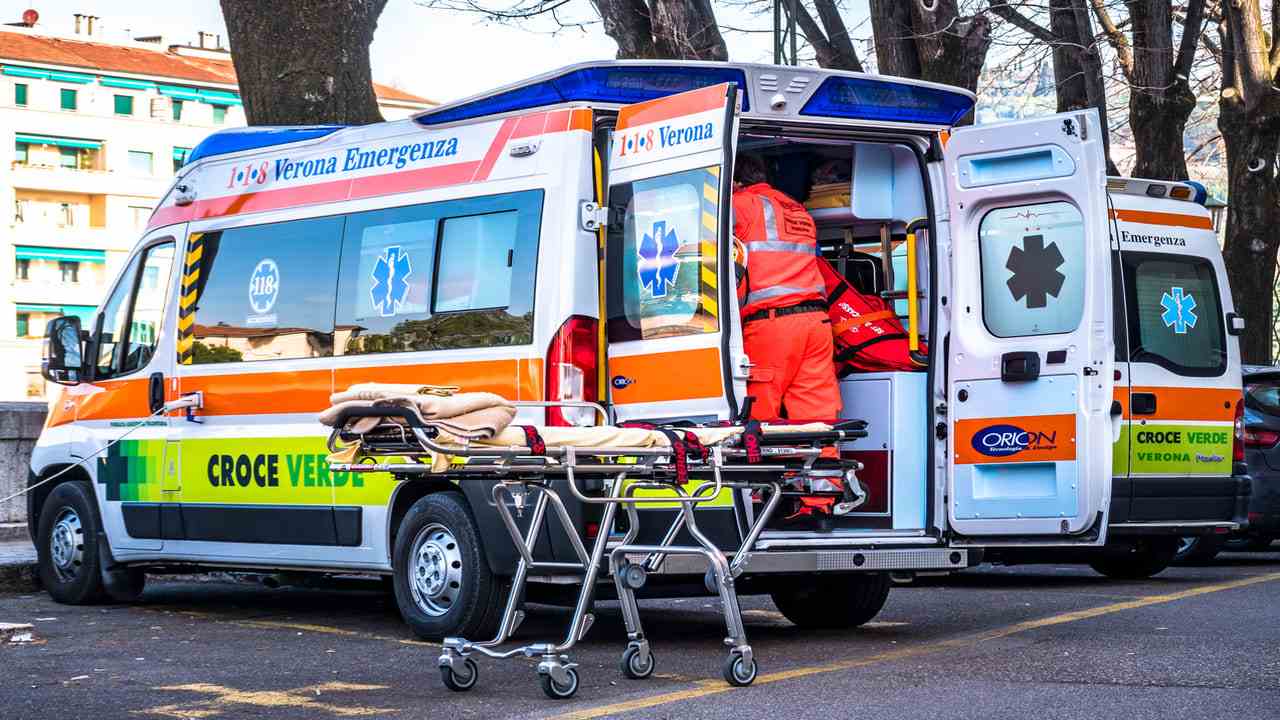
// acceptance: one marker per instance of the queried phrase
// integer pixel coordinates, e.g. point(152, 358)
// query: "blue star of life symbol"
point(1179, 310)
point(657, 266)
point(390, 281)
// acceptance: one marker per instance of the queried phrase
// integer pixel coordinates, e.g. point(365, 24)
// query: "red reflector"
point(1238, 434)
point(593, 529)
point(1221, 531)
point(1256, 437)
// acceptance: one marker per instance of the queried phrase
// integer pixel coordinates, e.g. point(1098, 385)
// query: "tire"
point(1148, 557)
point(1199, 549)
point(838, 602)
point(455, 594)
point(69, 559)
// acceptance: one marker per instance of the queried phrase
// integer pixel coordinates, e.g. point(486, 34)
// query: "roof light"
point(887, 100)
point(239, 139)
point(1180, 192)
point(1201, 192)
point(1156, 191)
point(616, 84)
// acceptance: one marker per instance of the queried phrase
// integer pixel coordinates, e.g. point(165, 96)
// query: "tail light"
point(572, 371)
point(1256, 437)
point(1238, 434)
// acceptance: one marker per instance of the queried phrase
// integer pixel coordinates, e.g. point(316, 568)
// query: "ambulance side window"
point(1032, 269)
point(662, 257)
point(1174, 313)
point(266, 292)
point(440, 276)
point(133, 315)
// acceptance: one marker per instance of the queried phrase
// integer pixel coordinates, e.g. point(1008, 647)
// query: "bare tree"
point(930, 40)
point(1249, 118)
point(1077, 64)
point(1159, 75)
point(302, 62)
point(828, 35)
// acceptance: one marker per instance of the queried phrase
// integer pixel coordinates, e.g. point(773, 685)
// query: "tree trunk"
point(304, 62)
point(930, 42)
point(845, 56)
point(629, 23)
point(894, 37)
point(1160, 100)
point(1251, 242)
point(1077, 67)
point(663, 29)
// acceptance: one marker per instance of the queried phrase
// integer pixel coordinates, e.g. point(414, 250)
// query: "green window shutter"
point(177, 110)
point(69, 157)
point(68, 99)
point(20, 152)
point(124, 104)
point(19, 93)
point(23, 326)
point(219, 114)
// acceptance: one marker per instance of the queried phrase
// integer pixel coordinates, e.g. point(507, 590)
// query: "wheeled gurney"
point(666, 459)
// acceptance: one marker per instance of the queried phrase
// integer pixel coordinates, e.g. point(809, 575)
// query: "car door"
point(673, 351)
point(1030, 359)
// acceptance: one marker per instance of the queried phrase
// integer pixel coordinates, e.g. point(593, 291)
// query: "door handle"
point(155, 392)
point(1019, 366)
point(1142, 403)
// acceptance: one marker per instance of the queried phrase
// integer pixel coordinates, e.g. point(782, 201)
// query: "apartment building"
point(91, 133)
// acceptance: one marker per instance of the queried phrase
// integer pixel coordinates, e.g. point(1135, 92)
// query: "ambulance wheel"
point(557, 691)
point(443, 584)
point(460, 682)
point(636, 667)
point(738, 672)
point(67, 546)
point(1148, 557)
point(834, 602)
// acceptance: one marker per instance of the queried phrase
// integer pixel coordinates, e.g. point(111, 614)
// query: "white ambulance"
point(499, 243)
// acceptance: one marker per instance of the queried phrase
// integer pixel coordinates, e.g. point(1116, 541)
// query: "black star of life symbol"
point(1035, 271)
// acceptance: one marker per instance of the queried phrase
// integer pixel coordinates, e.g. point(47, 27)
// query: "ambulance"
point(568, 238)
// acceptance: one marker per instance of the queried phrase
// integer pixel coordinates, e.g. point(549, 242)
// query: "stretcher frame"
point(521, 474)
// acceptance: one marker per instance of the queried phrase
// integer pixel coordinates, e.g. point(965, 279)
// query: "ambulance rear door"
point(670, 298)
point(1030, 357)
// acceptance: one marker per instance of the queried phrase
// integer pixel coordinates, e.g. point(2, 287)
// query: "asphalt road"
point(1021, 642)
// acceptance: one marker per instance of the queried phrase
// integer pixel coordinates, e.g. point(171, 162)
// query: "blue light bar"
point(235, 140)
point(620, 85)
point(875, 99)
point(1201, 195)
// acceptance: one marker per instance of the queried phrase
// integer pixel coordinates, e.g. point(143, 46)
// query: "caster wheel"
point(634, 576)
point(737, 672)
point(635, 667)
point(460, 682)
point(710, 582)
point(555, 690)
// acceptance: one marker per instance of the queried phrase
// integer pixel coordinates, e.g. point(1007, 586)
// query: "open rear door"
point(1031, 347)
point(670, 292)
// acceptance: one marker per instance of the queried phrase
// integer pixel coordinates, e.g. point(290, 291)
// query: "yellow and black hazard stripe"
point(187, 300)
point(707, 251)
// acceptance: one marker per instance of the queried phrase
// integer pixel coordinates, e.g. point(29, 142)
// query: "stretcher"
point(661, 466)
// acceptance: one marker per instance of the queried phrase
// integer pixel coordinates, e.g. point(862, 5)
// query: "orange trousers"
point(793, 367)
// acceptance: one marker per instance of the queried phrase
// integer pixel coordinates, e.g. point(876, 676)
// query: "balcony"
point(93, 182)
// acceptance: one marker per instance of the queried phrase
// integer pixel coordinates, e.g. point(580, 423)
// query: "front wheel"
point(67, 546)
point(836, 602)
point(1146, 558)
point(443, 584)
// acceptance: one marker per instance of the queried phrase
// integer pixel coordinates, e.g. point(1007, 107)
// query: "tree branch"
point(1022, 22)
point(1120, 43)
point(1190, 36)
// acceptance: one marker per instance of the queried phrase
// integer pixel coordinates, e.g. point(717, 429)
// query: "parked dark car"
point(1262, 453)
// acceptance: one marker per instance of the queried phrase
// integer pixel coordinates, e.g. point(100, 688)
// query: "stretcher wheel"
point(555, 690)
point(634, 576)
point(737, 672)
point(460, 682)
point(635, 666)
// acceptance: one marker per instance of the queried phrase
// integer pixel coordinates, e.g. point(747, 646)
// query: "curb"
point(19, 577)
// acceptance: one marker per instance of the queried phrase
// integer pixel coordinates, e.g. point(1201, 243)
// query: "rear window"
point(1174, 313)
point(1263, 395)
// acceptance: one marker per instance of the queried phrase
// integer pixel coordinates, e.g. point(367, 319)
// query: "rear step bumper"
point(802, 561)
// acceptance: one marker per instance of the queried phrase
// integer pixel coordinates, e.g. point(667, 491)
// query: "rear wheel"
point(834, 602)
point(443, 584)
point(1199, 548)
point(1147, 557)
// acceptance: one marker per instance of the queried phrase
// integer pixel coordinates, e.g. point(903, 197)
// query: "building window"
point(22, 271)
point(140, 216)
point(140, 162)
point(20, 153)
point(219, 114)
point(180, 155)
point(124, 104)
point(68, 99)
point(66, 218)
point(24, 325)
point(177, 110)
point(20, 94)
point(19, 210)
point(70, 271)
point(68, 158)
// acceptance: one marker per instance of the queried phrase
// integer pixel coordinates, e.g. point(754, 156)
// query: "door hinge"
point(941, 410)
point(591, 216)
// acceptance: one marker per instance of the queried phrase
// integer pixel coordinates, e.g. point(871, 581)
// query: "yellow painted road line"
point(301, 627)
point(706, 688)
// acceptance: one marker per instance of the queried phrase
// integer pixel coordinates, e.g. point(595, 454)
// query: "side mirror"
point(1235, 324)
point(63, 361)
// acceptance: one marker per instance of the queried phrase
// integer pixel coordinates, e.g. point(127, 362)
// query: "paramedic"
point(786, 331)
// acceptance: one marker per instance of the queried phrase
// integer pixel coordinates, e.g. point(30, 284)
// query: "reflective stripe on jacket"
point(781, 248)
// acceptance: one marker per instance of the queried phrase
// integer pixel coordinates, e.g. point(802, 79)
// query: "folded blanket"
point(479, 419)
point(378, 391)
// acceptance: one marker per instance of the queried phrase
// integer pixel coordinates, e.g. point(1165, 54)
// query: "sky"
point(441, 55)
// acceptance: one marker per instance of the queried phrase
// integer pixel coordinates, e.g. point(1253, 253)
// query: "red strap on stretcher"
point(535, 442)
